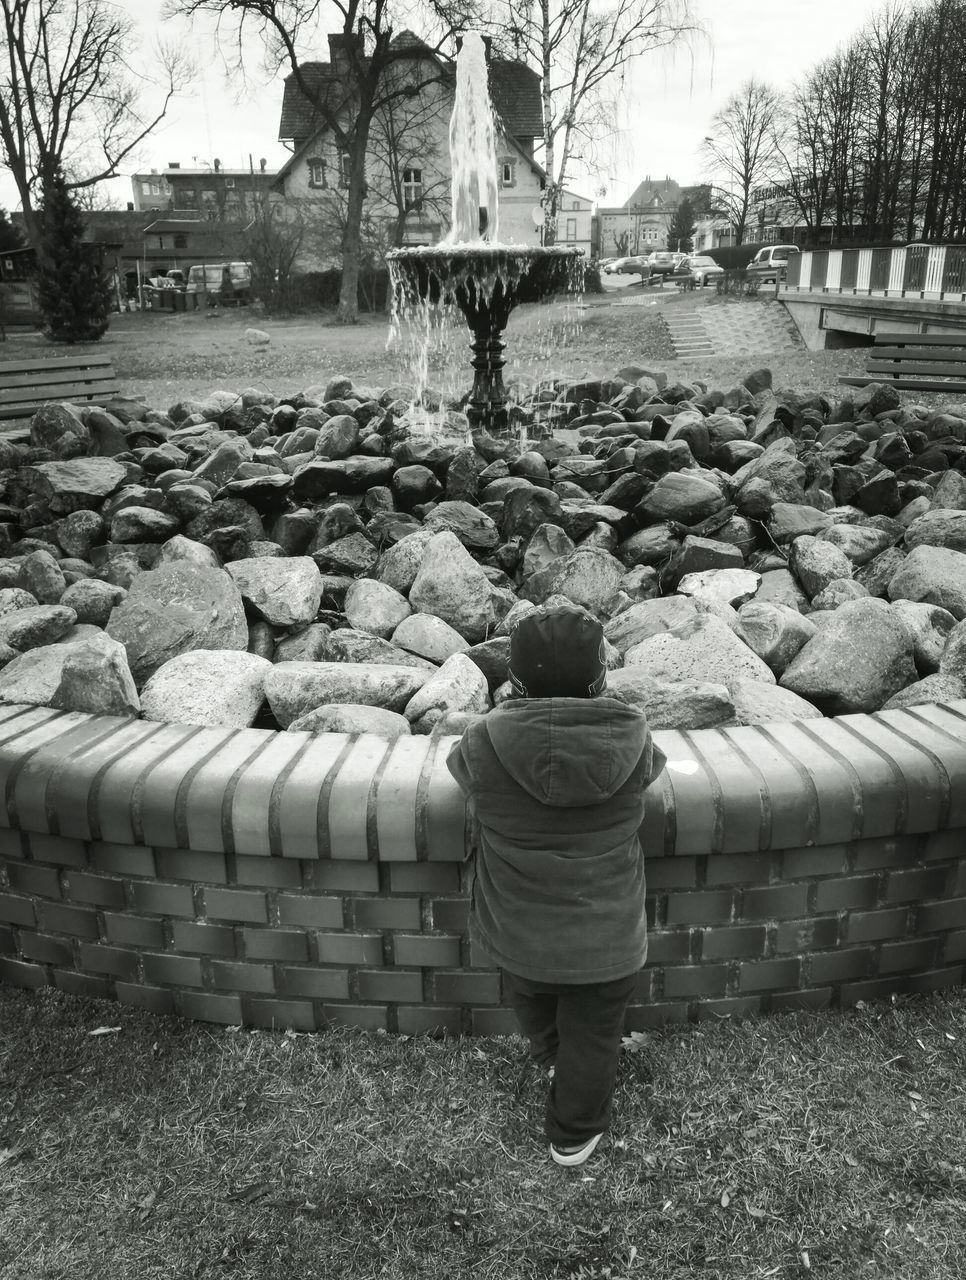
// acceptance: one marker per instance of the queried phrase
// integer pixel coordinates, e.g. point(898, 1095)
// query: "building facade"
point(212, 193)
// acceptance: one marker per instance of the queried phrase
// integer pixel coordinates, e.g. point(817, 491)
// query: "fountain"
point(470, 267)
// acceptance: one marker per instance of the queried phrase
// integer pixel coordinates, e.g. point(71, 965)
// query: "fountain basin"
point(491, 276)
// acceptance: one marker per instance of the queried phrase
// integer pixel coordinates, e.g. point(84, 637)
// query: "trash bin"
point(179, 300)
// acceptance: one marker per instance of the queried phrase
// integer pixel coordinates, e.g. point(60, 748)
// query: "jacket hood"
point(568, 752)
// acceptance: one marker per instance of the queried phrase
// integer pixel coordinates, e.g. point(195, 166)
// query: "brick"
point(347, 810)
point(737, 868)
point(642, 1017)
point(302, 799)
point(390, 984)
point(844, 965)
point(807, 935)
point(913, 886)
point(79, 921)
point(644, 985)
point(71, 791)
point(849, 891)
point(729, 943)
point(37, 946)
point(26, 877)
point(100, 891)
point(278, 1015)
point(824, 860)
point(915, 953)
point(7, 943)
point(871, 926)
point(349, 948)
point(887, 851)
point(134, 931)
point(11, 843)
point(311, 912)
point(671, 873)
point(386, 913)
point(874, 989)
point(423, 877)
point(249, 809)
point(121, 859)
point(800, 770)
point(443, 834)
point(955, 948)
point(494, 1022)
point(479, 959)
point(236, 904)
point(314, 983)
point(21, 974)
point(938, 845)
point(934, 980)
point(466, 988)
point(112, 960)
point(84, 984)
point(775, 902)
point(374, 1017)
point(451, 914)
point(275, 944)
point(232, 975)
point(57, 849)
point(203, 1006)
point(17, 910)
point(270, 873)
point(426, 949)
point(935, 916)
point(733, 1007)
point(343, 877)
point(768, 975)
point(207, 939)
point(695, 980)
point(810, 998)
point(414, 1020)
point(713, 907)
point(176, 971)
point(668, 944)
point(398, 798)
point(879, 805)
point(196, 769)
point(163, 899)
point(186, 864)
point(152, 999)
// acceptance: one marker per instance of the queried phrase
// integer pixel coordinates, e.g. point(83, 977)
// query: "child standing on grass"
point(556, 778)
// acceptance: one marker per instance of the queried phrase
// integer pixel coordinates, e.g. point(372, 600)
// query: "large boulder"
point(647, 618)
point(429, 637)
point(294, 688)
point(176, 609)
point(938, 528)
point(95, 678)
point(757, 703)
point(704, 649)
point(817, 562)
point(775, 632)
point(929, 626)
point(353, 717)
point(284, 591)
point(450, 584)
point(458, 685)
point(211, 687)
point(374, 606)
point(682, 496)
point(932, 575)
point(672, 704)
point(76, 485)
point(31, 628)
point(859, 659)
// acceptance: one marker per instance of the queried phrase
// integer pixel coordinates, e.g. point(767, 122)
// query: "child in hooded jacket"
point(555, 778)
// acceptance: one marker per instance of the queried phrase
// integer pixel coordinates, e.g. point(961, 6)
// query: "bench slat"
point(23, 395)
point(921, 339)
point(909, 384)
point(915, 369)
point(58, 378)
point(903, 354)
point(58, 362)
point(26, 407)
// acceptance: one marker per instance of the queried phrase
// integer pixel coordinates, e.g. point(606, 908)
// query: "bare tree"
point(66, 81)
point(582, 49)
point(273, 240)
point(739, 148)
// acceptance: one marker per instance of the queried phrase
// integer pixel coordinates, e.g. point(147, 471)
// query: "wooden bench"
point(916, 362)
point(27, 384)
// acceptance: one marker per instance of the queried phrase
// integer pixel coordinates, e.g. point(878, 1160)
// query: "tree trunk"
point(348, 312)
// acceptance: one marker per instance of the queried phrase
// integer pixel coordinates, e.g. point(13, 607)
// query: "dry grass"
point(826, 1144)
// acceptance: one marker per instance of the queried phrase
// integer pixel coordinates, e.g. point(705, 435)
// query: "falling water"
point(472, 149)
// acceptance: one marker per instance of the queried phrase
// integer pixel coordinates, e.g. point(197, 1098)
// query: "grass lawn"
point(827, 1144)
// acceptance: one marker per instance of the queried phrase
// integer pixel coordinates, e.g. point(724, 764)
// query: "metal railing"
point(913, 271)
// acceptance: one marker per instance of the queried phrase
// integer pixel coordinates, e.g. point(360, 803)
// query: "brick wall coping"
point(297, 795)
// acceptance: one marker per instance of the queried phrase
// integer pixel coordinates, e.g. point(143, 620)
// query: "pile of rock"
point(315, 563)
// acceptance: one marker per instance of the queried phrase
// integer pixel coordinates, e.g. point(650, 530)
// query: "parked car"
point(221, 281)
point(636, 265)
point(604, 264)
point(770, 263)
point(661, 263)
point(704, 269)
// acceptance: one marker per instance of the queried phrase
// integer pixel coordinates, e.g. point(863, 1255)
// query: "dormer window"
point(508, 173)
point(412, 188)
point(316, 167)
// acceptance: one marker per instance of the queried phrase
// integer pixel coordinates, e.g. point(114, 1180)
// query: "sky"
point(667, 104)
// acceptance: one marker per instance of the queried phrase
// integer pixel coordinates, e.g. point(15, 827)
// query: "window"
point(412, 188)
point(187, 199)
point(571, 228)
point(181, 242)
point(508, 173)
point(316, 167)
point(229, 184)
point(575, 204)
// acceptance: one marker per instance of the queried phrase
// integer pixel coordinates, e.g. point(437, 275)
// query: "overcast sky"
point(670, 98)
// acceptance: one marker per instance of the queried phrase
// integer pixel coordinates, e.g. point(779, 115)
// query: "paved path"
point(702, 324)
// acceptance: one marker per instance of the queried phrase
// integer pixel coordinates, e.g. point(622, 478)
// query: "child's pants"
point(578, 1029)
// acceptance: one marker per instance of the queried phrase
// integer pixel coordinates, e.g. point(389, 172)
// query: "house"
point(213, 192)
point(408, 162)
point(641, 224)
point(575, 219)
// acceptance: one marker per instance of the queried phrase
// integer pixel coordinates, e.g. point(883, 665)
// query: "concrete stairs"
point(687, 332)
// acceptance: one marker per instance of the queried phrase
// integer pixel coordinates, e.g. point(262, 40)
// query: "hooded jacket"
point(557, 787)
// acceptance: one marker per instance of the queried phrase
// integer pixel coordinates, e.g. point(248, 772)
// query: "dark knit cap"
point(557, 653)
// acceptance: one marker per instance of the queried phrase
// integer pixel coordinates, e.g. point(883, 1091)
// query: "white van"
point(221, 281)
point(770, 263)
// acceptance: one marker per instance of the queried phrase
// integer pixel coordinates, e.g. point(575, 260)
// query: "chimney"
point(263, 164)
point(217, 165)
point(130, 206)
point(341, 46)
point(174, 164)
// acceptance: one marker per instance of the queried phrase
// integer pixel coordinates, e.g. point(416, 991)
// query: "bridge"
point(843, 297)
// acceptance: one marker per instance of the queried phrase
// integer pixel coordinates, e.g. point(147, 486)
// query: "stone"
point(672, 704)
point(78, 532)
point(78, 484)
point(92, 600)
point(953, 659)
point(929, 626)
point(221, 465)
point(589, 578)
point(95, 678)
point(14, 598)
point(860, 657)
point(213, 687)
point(861, 543)
point(548, 545)
point(775, 476)
point(348, 645)
point(60, 429)
point(353, 717)
point(338, 437)
point(473, 527)
point(648, 618)
point(429, 637)
point(353, 554)
point(704, 649)
point(775, 632)
point(175, 609)
point(398, 565)
point(652, 546)
point(30, 628)
point(374, 606)
point(836, 593)
point(695, 555)
point(932, 575)
point(931, 688)
point(307, 645)
point(731, 586)
point(950, 492)
point(450, 584)
point(142, 524)
point(817, 562)
point(876, 574)
point(938, 528)
point(757, 703)
point(779, 586)
point(294, 688)
point(285, 592)
point(182, 550)
point(682, 496)
point(458, 685)
point(42, 576)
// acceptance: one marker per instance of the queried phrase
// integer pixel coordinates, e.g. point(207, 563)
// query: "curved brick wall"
point(289, 880)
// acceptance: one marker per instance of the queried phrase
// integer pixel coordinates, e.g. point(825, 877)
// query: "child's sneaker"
point(575, 1155)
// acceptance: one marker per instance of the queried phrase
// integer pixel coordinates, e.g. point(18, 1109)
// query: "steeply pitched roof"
point(515, 91)
point(655, 193)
